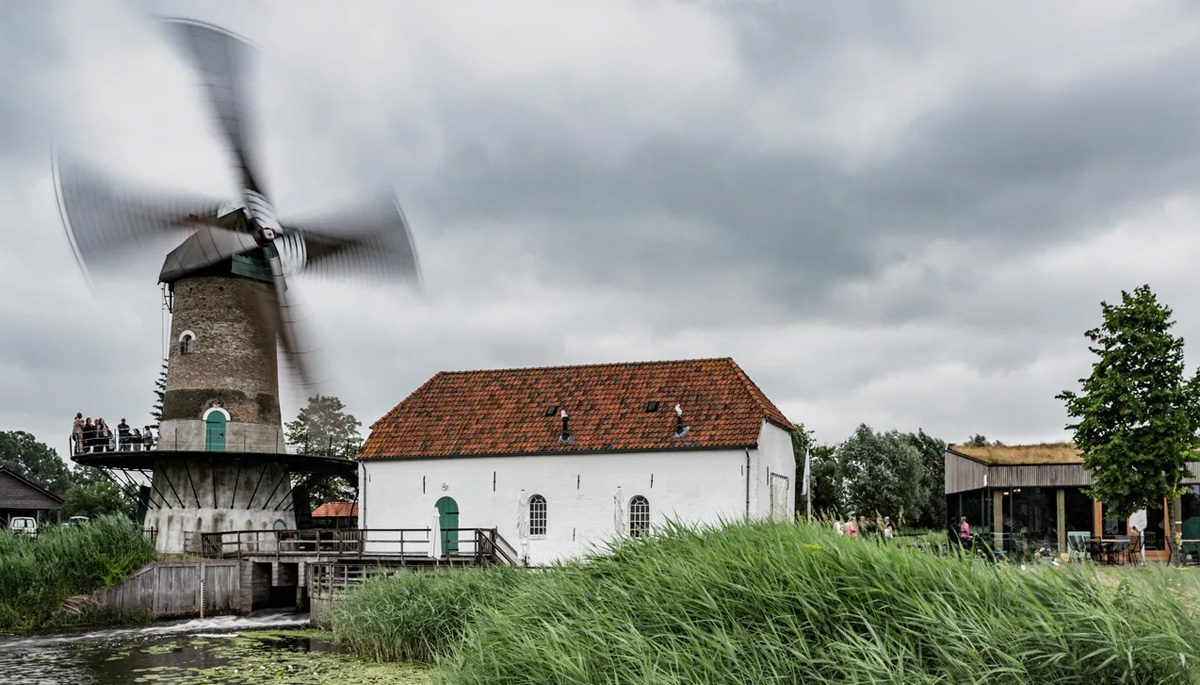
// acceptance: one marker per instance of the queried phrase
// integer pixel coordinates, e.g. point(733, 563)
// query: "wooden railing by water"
point(477, 545)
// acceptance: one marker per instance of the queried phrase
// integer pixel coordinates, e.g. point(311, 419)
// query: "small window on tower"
point(185, 343)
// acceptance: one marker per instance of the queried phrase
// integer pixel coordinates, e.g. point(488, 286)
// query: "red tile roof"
point(336, 509)
point(504, 411)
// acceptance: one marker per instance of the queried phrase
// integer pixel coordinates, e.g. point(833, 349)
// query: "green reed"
point(37, 575)
point(782, 603)
point(416, 616)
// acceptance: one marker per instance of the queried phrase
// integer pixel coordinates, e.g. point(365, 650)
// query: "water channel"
point(266, 647)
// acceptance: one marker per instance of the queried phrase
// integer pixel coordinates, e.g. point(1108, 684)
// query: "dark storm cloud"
point(1009, 168)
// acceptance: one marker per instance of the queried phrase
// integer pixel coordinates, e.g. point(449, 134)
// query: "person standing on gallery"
point(77, 433)
point(123, 436)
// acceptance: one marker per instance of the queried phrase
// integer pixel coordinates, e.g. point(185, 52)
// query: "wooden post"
point(998, 519)
point(1097, 519)
point(1061, 496)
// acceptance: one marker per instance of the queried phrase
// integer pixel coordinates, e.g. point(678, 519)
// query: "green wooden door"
point(448, 522)
point(214, 440)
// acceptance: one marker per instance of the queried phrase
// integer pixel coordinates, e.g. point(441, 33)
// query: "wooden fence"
point(175, 588)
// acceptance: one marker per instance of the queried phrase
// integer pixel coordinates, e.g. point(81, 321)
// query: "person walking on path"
point(77, 433)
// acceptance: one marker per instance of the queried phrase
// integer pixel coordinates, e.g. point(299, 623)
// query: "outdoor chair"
point(1096, 550)
point(1077, 549)
point(1133, 554)
point(1117, 550)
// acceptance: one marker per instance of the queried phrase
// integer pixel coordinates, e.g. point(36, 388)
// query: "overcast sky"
point(904, 215)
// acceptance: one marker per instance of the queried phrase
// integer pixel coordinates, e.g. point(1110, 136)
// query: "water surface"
point(267, 647)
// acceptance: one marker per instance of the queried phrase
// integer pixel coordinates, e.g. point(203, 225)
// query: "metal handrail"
point(172, 441)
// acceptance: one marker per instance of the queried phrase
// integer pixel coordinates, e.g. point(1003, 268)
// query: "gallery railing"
point(479, 545)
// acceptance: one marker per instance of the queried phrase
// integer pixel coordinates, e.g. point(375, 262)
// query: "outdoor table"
point(1114, 548)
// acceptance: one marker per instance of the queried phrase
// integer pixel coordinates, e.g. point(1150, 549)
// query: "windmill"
point(221, 463)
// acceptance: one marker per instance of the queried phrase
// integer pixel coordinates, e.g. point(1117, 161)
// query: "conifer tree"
point(160, 391)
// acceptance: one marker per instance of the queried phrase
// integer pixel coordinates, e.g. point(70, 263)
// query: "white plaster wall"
point(775, 455)
point(582, 493)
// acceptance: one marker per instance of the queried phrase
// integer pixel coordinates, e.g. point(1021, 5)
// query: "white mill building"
point(563, 459)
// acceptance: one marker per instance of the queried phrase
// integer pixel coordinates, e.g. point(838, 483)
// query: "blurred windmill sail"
point(102, 217)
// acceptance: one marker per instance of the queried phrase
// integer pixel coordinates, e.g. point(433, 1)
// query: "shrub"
point(763, 602)
point(37, 575)
point(418, 616)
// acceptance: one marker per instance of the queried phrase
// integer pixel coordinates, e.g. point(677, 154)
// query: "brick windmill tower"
point(221, 463)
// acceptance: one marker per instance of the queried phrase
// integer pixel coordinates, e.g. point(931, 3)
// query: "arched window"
point(186, 342)
point(537, 515)
point(639, 516)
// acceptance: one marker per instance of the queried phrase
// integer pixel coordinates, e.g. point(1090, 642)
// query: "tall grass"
point(417, 616)
point(777, 603)
point(37, 575)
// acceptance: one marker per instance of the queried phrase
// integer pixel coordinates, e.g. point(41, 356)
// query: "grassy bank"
point(419, 617)
point(780, 603)
point(36, 576)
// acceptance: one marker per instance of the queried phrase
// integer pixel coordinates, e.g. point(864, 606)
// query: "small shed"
point(19, 497)
point(336, 515)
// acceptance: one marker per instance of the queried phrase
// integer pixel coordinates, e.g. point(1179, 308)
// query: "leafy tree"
point(160, 391)
point(37, 462)
point(1136, 415)
point(824, 477)
point(882, 473)
point(828, 482)
point(97, 499)
point(324, 428)
point(929, 511)
point(977, 441)
point(802, 441)
point(86, 475)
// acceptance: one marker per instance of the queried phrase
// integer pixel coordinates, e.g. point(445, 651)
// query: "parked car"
point(23, 525)
point(78, 520)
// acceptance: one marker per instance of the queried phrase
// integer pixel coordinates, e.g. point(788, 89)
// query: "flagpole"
point(807, 478)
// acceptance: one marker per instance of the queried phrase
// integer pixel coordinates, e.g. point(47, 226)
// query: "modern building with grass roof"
point(1036, 493)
